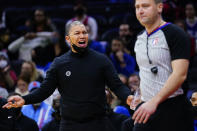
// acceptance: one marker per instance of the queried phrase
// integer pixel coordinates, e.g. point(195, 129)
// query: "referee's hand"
point(143, 113)
point(14, 101)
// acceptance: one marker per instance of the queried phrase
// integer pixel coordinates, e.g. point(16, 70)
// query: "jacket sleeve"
point(15, 45)
point(48, 86)
point(113, 81)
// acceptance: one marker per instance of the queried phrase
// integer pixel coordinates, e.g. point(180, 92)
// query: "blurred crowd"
point(27, 51)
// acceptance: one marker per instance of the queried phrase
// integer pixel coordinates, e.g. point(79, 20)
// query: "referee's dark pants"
point(100, 124)
point(172, 115)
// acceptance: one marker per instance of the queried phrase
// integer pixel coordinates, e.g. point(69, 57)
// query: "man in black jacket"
point(80, 75)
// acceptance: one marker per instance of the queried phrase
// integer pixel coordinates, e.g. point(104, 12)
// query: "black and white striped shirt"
point(164, 44)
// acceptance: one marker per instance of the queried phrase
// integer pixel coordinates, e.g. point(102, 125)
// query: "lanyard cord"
point(150, 62)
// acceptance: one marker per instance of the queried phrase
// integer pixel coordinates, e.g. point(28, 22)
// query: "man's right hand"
point(14, 101)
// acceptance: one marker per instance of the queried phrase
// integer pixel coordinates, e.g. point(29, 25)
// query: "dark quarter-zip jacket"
point(81, 81)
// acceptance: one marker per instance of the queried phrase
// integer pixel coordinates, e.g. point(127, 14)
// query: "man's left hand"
point(143, 113)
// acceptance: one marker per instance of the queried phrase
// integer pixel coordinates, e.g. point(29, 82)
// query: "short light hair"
point(158, 1)
point(69, 26)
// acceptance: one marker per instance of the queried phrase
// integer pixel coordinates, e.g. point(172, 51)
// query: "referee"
point(162, 53)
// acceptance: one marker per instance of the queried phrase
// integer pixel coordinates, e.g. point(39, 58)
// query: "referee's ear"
point(160, 8)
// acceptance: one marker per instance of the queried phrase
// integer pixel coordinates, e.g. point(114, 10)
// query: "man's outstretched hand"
point(14, 101)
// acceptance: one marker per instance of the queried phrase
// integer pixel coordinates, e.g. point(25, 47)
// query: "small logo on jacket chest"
point(155, 41)
point(68, 73)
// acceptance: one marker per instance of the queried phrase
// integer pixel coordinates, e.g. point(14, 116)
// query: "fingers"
point(14, 101)
point(20, 103)
point(146, 118)
point(8, 105)
point(12, 104)
point(140, 116)
point(15, 98)
point(140, 119)
point(135, 113)
point(11, 99)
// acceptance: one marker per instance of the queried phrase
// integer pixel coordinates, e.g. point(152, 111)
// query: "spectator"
point(4, 39)
point(7, 75)
point(176, 6)
point(40, 112)
point(40, 33)
point(115, 101)
point(115, 119)
point(194, 109)
point(60, 47)
point(182, 24)
point(94, 44)
point(194, 98)
point(29, 67)
point(133, 82)
point(128, 35)
point(22, 84)
point(119, 106)
point(81, 15)
point(3, 92)
point(123, 78)
point(40, 22)
point(123, 62)
point(191, 20)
